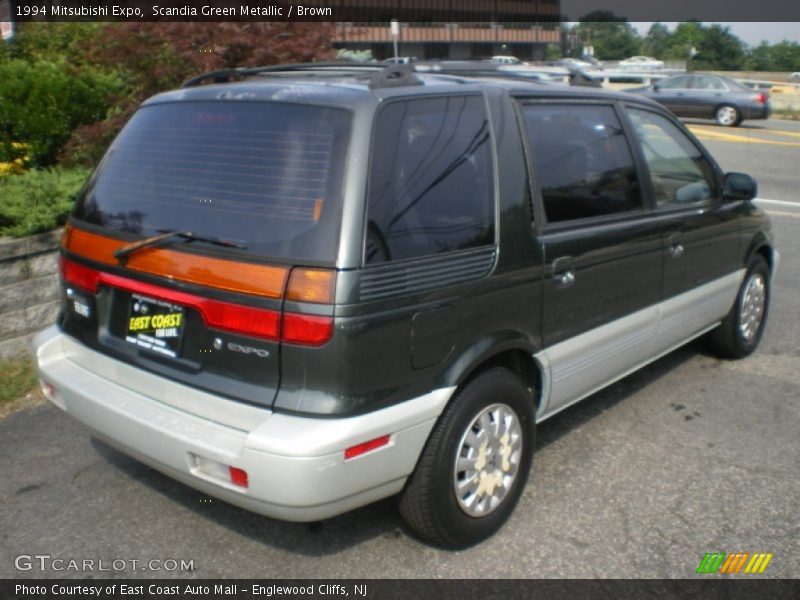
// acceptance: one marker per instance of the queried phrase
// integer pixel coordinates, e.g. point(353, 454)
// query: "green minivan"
point(301, 289)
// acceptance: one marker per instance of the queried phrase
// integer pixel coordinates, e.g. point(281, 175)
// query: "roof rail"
point(382, 75)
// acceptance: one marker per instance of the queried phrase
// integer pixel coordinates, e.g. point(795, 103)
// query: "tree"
point(784, 56)
point(657, 41)
point(158, 56)
point(154, 57)
point(719, 50)
point(612, 37)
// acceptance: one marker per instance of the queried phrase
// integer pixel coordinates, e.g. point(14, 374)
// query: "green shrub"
point(41, 103)
point(38, 201)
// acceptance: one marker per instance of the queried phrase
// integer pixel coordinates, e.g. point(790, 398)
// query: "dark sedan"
point(708, 97)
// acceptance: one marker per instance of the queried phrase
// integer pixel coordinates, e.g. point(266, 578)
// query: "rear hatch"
point(181, 248)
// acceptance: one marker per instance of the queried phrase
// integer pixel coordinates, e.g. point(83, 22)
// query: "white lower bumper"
point(295, 465)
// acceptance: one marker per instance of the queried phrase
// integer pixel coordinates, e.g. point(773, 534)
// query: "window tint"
point(704, 82)
point(430, 188)
point(582, 161)
point(266, 175)
point(674, 83)
point(679, 172)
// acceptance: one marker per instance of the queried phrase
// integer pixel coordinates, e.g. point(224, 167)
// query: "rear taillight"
point(307, 330)
point(293, 328)
point(761, 98)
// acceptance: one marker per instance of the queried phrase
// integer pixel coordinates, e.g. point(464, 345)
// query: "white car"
point(794, 76)
point(505, 60)
point(641, 63)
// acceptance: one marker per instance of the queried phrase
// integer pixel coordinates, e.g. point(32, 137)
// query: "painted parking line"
point(710, 134)
point(779, 202)
point(783, 213)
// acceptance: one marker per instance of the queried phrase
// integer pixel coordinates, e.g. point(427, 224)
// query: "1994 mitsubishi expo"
point(317, 286)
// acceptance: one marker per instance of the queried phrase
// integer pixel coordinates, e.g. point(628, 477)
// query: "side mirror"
point(739, 186)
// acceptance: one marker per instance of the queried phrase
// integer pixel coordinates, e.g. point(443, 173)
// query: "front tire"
point(475, 464)
point(728, 116)
point(740, 332)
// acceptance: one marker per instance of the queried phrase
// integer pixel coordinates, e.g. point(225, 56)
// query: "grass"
point(17, 377)
point(790, 114)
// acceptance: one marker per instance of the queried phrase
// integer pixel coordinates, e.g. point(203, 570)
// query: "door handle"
point(563, 272)
point(675, 245)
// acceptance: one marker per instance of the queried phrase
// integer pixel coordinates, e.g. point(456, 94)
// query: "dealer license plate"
point(155, 325)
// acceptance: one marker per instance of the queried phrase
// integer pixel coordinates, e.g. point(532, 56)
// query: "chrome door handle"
point(564, 271)
point(675, 245)
point(565, 279)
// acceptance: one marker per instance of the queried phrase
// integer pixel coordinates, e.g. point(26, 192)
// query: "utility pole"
point(395, 29)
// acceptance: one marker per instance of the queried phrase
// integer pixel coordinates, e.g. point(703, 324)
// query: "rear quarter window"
point(431, 179)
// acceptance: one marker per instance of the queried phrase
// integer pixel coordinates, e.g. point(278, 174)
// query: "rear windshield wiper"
point(125, 252)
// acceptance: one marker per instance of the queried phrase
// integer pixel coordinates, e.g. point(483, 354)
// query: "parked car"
point(573, 63)
point(505, 60)
point(482, 68)
point(708, 97)
point(302, 298)
point(401, 60)
point(794, 76)
point(641, 63)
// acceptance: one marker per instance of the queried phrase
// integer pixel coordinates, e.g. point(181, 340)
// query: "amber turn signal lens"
point(311, 285)
point(219, 273)
point(65, 237)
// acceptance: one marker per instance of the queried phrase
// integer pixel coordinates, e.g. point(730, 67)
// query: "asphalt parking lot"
point(687, 456)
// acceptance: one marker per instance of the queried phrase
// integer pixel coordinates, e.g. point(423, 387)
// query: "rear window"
point(264, 175)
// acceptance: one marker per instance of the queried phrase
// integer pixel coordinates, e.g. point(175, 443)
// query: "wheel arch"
point(762, 246)
point(509, 349)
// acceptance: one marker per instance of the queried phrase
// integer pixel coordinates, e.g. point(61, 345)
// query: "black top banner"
point(418, 11)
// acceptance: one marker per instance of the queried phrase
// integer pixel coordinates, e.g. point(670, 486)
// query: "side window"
point(705, 82)
point(431, 186)
point(675, 83)
point(582, 161)
point(679, 172)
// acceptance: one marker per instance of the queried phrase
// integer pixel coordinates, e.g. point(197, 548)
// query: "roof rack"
point(380, 74)
point(395, 75)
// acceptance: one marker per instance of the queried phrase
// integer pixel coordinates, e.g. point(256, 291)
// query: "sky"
point(750, 33)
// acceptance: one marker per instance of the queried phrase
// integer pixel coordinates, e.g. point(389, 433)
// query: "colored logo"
point(734, 563)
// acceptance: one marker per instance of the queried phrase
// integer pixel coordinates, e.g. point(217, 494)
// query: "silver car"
point(708, 97)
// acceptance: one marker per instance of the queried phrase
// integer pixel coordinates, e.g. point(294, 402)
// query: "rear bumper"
point(295, 465)
point(759, 111)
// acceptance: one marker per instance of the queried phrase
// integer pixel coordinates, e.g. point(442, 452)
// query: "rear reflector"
point(369, 446)
point(238, 476)
point(307, 330)
point(311, 285)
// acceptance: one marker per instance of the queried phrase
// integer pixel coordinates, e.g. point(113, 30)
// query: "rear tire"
point(740, 332)
point(728, 116)
point(475, 464)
